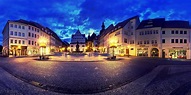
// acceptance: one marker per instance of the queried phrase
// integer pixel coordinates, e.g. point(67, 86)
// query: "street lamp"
point(42, 44)
point(19, 49)
point(112, 43)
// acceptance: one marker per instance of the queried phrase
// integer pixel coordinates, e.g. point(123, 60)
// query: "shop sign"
point(155, 45)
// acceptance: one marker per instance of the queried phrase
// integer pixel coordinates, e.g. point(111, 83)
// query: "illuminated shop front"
point(177, 53)
point(142, 52)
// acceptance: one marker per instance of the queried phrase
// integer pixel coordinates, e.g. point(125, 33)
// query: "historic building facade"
point(78, 40)
point(160, 38)
point(21, 38)
point(120, 39)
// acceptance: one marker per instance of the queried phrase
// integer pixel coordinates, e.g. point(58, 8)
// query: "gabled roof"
point(107, 30)
point(150, 23)
point(123, 23)
point(160, 22)
point(176, 24)
point(78, 32)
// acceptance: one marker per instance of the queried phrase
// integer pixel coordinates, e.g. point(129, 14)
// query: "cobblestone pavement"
point(131, 76)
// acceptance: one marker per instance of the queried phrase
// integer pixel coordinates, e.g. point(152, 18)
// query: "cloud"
point(66, 16)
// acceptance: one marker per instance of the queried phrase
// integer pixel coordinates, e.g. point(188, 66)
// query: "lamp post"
point(42, 44)
point(19, 49)
point(112, 43)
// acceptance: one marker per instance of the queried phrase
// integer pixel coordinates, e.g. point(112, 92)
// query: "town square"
point(93, 47)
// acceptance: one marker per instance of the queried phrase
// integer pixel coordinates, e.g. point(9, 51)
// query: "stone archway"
point(154, 52)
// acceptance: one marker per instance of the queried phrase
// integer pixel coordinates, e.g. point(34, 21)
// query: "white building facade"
point(166, 39)
point(79, 39)
point(21, 38)
point(120, 40)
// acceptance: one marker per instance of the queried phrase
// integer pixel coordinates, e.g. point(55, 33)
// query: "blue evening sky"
point(66, 16)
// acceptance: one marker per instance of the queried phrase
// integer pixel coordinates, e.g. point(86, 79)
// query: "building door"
point(154, 52)
point(127, 51)
point(163, 53)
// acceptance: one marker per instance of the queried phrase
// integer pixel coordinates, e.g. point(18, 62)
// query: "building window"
point(82, 45)
point(181, 40)
point(19, 41)
point(185, 32)
point(11, 32)
point(23, 42)
point(153, 31)
point(176, 40)
point(15, 41)
point(181, 32)
point(155, 41)
point(163, 40)
point(23, 27)
point(29, 34)
point(131, 33)
point(156, 31)
point(19, 26)
point(15, 33)
point(15, 26)
point(147, 41)
point(125, 40)
point(172, 32)
point(185, 40)
point(32, 43)
point(37, 30)
point(11, 25)
point(11, 40)
point(176, 31)
point(163, 32)
point(32, 35)
point(71, 45)
point(29, 42)
point(19, 33)
point(132, 48)
point(29, 27)
point(172, 40)
point(23, 34)
point(32, 28)
point(35, 35)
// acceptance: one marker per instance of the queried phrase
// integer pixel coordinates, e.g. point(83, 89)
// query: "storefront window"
point(174, 53)
point(142, 52)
